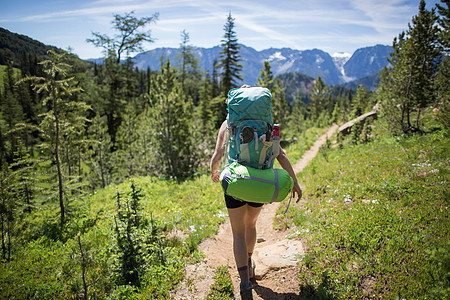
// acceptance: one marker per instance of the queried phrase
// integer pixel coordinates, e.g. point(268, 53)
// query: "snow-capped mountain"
point(340, 59)
point(336, 69)
point(366, 61)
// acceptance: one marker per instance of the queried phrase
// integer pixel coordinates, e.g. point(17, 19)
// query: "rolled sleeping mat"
point(255, 185)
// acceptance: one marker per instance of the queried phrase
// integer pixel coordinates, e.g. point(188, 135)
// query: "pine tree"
point(229, 57)
point(125, 154)
point(62, 119)
point(131, 85)
point(30, 109)
point(142, 145)
point(170, 116)
point(11, 110)
point(17, 188)
point(443, 77)
point(128, 240)
point(336, 114)
point(280, 106)
point(215, 81)
point(101, 155)
point(189, 69)
point(360, 102)
point(204, 107)
point(205, 134)
point(7, 210)
point(3, 156)
point(415, 60)
point(317, 96)
point(297, 115)
point(265, 78)
point(444, 22)
point(74, 143)
point(218, 104)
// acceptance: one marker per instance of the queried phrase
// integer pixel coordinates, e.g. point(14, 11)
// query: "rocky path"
point(275, 256)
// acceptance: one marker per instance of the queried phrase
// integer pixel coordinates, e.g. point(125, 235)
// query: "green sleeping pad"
point(255, 185)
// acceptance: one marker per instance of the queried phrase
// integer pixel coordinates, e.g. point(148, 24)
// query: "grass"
point(184, 213)
point(192, 208)
point(222, 287)
point(376, 220)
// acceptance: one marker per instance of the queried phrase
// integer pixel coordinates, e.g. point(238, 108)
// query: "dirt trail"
point(275, 256)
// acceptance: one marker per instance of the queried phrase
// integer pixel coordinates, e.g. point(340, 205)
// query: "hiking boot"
point(251, 268)
point(246, 291)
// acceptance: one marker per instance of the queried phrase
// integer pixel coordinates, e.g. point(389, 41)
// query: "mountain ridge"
point(337, 69)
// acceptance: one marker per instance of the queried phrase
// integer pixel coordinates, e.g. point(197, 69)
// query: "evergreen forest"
point(102, 163)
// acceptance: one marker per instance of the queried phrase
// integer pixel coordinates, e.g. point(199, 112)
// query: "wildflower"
point(347, 198)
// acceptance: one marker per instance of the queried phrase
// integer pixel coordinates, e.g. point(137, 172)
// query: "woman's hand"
point(215, 176)
point(296, 190)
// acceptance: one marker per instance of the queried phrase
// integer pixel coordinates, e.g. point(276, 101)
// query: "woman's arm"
point(286, 164)
point(218, 152)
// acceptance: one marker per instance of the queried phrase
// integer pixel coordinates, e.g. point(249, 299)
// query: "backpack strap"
point(275, 150)
point(225, 145)
point(263, 153)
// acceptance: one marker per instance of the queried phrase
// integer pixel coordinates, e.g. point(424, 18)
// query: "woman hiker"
point(243, 216)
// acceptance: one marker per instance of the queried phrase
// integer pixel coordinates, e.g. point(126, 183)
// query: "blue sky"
point(329, 25)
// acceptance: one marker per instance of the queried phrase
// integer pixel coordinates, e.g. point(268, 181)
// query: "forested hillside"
point(105, 189)
point(20, 50)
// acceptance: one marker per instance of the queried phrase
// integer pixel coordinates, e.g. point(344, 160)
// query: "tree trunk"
point(9, 240)
point(3, 240)
point(418, 118)
point(58, 164)
point(83, 270)
point(101, 166)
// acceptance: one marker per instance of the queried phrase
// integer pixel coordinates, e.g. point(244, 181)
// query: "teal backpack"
point(251, 138)
point(253, 144)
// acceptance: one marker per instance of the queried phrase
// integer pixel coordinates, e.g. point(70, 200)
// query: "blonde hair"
point(245, 86)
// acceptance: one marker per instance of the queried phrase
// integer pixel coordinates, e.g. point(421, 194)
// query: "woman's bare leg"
point(250, 227)
point(237, 220)
point(243, 221)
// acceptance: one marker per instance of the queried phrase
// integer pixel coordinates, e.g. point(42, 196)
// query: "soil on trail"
point(275, 256)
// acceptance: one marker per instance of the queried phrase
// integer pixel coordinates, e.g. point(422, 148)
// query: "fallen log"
point(347, 127)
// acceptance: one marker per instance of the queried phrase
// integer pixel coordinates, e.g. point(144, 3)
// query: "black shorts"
point(234, 203)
